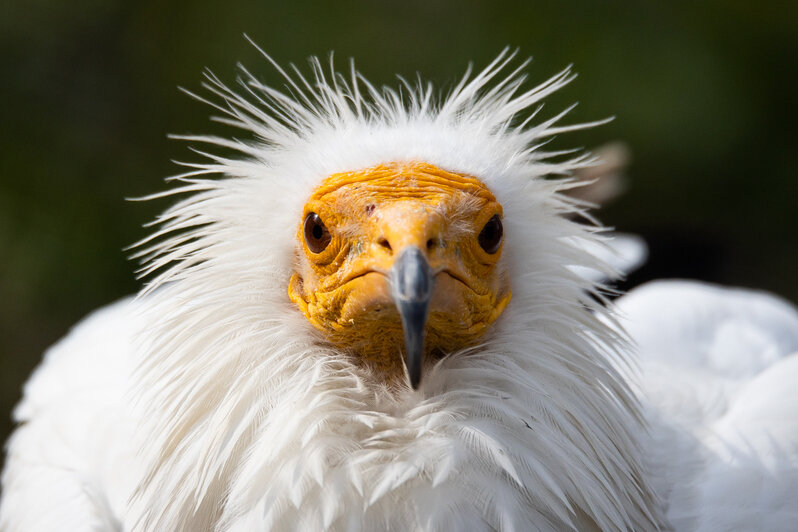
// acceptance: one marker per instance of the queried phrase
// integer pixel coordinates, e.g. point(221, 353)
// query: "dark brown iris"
point(490, 238)
point(316, 234)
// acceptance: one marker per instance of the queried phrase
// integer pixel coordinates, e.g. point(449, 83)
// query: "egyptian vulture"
point(379, 312)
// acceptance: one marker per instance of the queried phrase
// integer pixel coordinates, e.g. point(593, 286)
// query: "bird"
point(381, 310)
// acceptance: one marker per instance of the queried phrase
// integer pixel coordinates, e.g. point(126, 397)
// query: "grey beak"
point(411, 288)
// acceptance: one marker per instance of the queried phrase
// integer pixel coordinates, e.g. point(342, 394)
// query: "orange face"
point(356, 225)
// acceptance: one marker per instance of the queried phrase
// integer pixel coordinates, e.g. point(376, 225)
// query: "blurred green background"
point(703, 92)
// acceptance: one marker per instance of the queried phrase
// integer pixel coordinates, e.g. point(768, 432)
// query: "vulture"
point(379, 309)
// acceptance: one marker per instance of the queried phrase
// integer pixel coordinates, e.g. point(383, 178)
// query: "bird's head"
point(363, 235)
point(400, 254)
point(396, 223)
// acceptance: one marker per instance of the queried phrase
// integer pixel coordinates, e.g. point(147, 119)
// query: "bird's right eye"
point(317, 236)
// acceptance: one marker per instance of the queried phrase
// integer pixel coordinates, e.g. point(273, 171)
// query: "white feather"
point(719, 373)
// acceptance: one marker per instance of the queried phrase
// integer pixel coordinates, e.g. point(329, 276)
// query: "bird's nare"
point(400, 253)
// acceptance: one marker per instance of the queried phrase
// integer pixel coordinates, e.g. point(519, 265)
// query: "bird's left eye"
point(316, 234)
point(490, 238)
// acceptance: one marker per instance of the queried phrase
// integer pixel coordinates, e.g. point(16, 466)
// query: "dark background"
point(703, 93)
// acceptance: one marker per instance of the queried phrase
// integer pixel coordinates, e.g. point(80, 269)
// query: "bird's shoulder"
point(94, 355)
point(70, 462)
point(718, 368)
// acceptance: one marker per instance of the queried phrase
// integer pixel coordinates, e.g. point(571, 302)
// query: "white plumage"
point(210, 403)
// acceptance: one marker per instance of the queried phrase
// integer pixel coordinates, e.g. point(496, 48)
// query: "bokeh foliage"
point(703, 93)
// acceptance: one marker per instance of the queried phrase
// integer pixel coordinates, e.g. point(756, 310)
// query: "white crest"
point(256, 423)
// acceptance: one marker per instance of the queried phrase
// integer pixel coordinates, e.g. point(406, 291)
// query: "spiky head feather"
point(254, 422)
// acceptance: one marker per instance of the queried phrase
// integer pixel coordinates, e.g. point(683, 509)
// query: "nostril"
point(384, 243)
point(431, 243)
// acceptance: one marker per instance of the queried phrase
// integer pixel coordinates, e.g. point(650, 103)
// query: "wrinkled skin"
point(368, 217)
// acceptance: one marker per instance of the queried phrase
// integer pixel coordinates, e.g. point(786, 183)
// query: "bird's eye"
point(490, 238)
point(316, 234)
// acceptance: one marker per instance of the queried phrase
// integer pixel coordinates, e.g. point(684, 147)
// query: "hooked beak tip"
point(411, 285)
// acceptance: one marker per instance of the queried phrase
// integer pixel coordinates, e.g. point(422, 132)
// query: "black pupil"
point(317, 236)
point(491, 236)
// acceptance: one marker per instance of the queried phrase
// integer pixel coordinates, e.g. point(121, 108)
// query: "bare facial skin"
point(353, 231)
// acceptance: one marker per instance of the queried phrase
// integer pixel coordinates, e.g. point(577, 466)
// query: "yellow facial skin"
point(371, 216)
